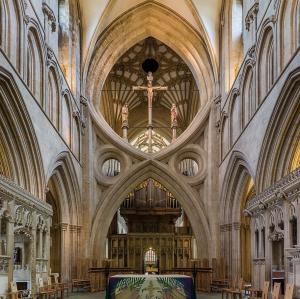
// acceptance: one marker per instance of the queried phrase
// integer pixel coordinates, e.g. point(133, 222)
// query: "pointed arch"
point(238, 170)
point(35, 63)
point(282, 135)
point(148, 22)
point(53, 101)
point(235, 231)
point(63, 176)
point(66, 123)
point(235, 117)
point(224, 135)
point(248, 98)
point(11, 30)
point(136, 175)
point(18, 144)
point(266, 61)
point(288, 31)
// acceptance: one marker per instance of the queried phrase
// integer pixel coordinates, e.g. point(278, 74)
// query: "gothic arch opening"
point(172, 73)
point(110, 47)
point(150, 231)
point(115, 195)
point(19, 151)
point(238, 190)
point(279, 154)
point(63, 196)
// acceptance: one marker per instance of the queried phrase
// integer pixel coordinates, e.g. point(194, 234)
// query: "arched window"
point(76, 138)
point(150, 256)
point(248, 98)
point(3, 25)
point(225, 137)
point(234, 119)
point(53, 97)
point(266, 70)
point(66, 120)
point(10, 29)
point(289, 29)
point(69, 43)
point(35, 66)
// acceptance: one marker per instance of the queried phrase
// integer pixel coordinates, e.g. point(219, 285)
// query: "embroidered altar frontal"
point(150, 287)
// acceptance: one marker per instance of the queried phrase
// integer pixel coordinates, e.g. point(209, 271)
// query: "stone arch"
point(232, 40)
point(66, 124)
point(63, 194)
point(234, 117)
point(288, 31)
point(224, 123)
point(69, 42)
point(282, 135)
point(11, 19)
point(181, 191)
point(265, 61)
point(21, 155)
point(248, 98)
point(66, 181)
point(234, 195)
point(35, 63)
point(53, 108)
point(137, 24)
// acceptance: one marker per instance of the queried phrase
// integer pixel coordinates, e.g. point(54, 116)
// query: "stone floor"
point(82, 295)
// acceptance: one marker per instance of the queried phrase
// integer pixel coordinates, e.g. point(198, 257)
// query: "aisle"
point(102, 296)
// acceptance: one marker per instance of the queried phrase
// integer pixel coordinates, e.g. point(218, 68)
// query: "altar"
point(150, 287)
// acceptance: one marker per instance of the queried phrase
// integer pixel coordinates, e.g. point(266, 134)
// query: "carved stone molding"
point(251, 15)
point(48, 12)
point(276, 236)
point(4, 263)
point(287, 188)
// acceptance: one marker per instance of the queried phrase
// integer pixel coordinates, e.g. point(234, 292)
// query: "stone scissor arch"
point(115, 195)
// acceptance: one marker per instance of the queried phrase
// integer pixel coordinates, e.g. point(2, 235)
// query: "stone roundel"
point(105, 153)
point(193, 152)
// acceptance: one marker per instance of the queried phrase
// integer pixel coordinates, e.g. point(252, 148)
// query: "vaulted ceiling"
point(128, 72)
point(118, 35)
point(97, 15)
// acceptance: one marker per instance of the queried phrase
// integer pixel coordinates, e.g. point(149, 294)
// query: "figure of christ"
point(150, 88)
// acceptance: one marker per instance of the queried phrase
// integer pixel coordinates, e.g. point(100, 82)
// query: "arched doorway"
point(150, 232)
point(55, 232)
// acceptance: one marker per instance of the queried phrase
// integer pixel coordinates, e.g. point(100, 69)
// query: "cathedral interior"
point(172, 145)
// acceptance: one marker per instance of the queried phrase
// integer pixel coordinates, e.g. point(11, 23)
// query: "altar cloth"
point(150, 287)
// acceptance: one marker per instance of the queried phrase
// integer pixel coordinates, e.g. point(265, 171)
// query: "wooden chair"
point(45, 291)
point(14, 293)
point(289, 290)
point(235, 290)
point(226, 291)
point(238, 292)
point(61, 285)
point(276, 290)
point(265, 291)
point(53, 291)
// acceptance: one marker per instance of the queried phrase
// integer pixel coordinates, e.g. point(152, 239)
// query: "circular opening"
point(188, 167)
point(111, 167)
point(150, 65)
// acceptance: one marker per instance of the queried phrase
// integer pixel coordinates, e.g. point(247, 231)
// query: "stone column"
point(10, 246)
point(33, 254)
point(65, 250)
point(268, 253)
point(236, 250)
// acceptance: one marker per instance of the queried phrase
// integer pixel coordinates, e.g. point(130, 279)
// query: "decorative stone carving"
point(276, 236)
point(4, 263)
point(251, 15)
point(49, 14)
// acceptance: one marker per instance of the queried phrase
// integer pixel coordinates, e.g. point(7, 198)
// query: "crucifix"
point(150, 88)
